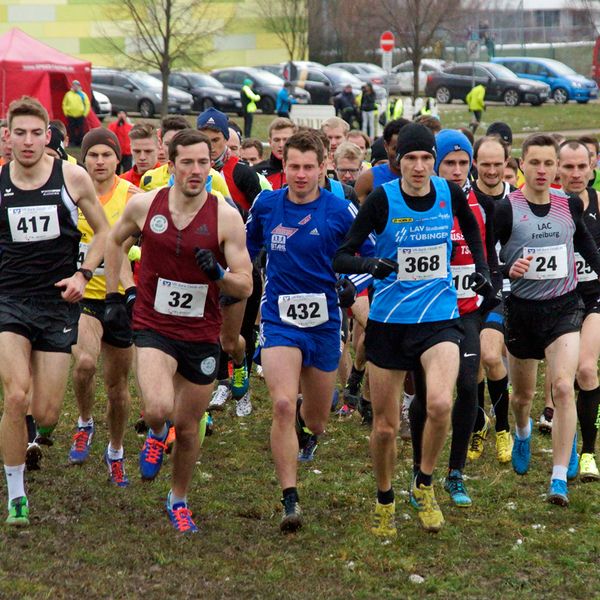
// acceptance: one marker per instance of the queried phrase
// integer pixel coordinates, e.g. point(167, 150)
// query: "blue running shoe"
point(455, 486)
point(573, 467)
point(181, 516)
point(116, 471)
point(307, 452)
point(151, 456)
point(558, 494)
point(240, 381)
point(80, 448)
point(521, 453)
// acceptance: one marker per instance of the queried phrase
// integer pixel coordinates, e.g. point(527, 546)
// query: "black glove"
point(489, 302)
point(116, 319)
point(206, 260)
point(130, 296)
point(346, 292)
point(380, 268)
point(480, 284)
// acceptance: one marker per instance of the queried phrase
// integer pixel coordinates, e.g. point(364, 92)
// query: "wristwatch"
point(87, 274)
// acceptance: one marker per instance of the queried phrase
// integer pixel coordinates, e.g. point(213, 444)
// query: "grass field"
point(90, 540)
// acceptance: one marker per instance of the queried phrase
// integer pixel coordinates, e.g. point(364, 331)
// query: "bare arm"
point(364, 185)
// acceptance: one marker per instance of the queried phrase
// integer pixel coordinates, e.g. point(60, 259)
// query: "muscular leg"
point(117, 362)
point(50, 374)
point(231, 340)
point(492, 346)
point(523, 376)
point(317, 388)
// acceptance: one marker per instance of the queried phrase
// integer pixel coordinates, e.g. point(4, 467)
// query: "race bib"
point(422, 263)
point(583, 270)
point(33, 223)
point(303, 310)
point(548, 263)
point(82, 255)
point(180, 299)
point(461, 277)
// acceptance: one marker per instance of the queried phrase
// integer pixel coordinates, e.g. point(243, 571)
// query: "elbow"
point(246, 290)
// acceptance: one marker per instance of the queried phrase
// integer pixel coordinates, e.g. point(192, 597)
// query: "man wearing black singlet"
point(40, 284)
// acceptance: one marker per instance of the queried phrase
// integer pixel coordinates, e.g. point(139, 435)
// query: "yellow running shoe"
point(588, 471)
point(429, 513)
point(477, 438)
point(383, 520)
point(504, 445)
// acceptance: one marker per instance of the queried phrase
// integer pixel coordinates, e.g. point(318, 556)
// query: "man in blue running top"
point(413, 322)
point(300, 227)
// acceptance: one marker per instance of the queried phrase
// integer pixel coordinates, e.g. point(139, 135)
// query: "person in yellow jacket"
point(476, 103)
point(76, 107)
point(249, 99)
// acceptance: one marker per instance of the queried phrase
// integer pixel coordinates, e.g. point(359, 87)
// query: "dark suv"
point(455, 82)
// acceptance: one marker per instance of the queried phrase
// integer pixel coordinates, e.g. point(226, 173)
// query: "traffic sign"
point(473, 48)
point(387, 41)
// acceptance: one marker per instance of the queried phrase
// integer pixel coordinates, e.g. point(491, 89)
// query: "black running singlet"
point(39, 239)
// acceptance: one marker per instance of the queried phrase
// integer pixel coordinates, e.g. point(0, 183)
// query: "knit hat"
point(501, 129)
point(57, 142)
point(414, 138)
point(100, 136)
point(378, 151)
point(451, 140)
point(213, 119)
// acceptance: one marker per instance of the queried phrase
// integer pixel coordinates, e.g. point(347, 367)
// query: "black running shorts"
point(118, 339)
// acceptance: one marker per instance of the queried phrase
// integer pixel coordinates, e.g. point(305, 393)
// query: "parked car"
point(138, 92)
point(278, 69)
point(402, 78)
point(265, 84)
point(565, 84)
point(366, 72)
point(502, 84)
point(104, 107)
point(206, 91)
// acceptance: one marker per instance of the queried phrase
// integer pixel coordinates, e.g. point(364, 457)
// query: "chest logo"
point(158, 224)
point(279, 237)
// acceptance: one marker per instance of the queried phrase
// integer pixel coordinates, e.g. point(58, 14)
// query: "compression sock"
point(31, 428)
point(15, 482)
point(480, 418)
point(385, 497)
point(46, 430)
point(587, 412)
point(498, 391)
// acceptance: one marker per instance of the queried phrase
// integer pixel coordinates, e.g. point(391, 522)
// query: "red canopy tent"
point(28, 67)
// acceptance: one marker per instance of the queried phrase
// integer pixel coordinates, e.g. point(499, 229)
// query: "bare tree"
point(288, 20)
point(163, 34)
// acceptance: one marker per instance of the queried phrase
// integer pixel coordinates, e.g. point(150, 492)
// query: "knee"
point(156, 412)
point(439, 407)
point(85, 367)
point(587, 375)
point(46, 416)
point(384, 431)
point(562, 390)
point(490, 357)
point(16, 402)
point(284, 410)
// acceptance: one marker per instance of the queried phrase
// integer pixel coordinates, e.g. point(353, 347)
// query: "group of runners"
point(420, 256)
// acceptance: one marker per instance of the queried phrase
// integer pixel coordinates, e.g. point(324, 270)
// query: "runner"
point(252, 151)
point(336, 130)
point(348, 163)
point(100, 151)
point(413, 320)
point(300, 227)
point(280, 131)
point(575, 170)
point(40, 285)
point(188, 234)
point(144, 149)
point(538, 231)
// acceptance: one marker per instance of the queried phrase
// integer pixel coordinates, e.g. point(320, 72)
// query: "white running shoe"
point(243, 406)
point(219, 397)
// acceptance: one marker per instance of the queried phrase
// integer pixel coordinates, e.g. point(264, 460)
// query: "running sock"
point(46, 430)
point(587, 412)
point(115, 454)
point(175, 500)
point(559, 472)
point(480, 418)
point(385, 497)
point(423, 479)
point(161, 435)
point(407, 399)
point(498, 391)
point(15, 481)
point(83, 423)
point(291, 492)
point(31, 428)
point(523, 432)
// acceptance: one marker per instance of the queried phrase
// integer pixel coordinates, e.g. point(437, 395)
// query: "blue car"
point(565, 83)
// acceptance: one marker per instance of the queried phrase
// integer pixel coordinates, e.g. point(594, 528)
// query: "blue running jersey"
point(301, 241)
point(422, 290)
point(382, 174)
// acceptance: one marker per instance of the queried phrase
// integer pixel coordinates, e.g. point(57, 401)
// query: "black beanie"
point(57, 142)
point(414, 138)
point(99, 135)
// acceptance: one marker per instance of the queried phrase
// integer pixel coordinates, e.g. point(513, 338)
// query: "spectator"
point(368, 107)
point(476, 103)
point(121, 128)
point(76, 107)
point(249, 100)
point(345, 105)
point(285, 100)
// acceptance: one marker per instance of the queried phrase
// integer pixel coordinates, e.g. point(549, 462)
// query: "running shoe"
point(346, 410)
point(44, 440)
point(455, 486)
point(366, 411)
point(573, 460)
point(180, 516)
point(545, 422)
point(33, 457)
point(220, 396)
point(521, 453)
point(151, 457)
point(384, 520)
point(80, 448)
point(116, 471)
point(477, 438)
point(240, 381)
point(504, 446)
point(588, 471)
point(170, 441)
point(429, 513)
point(307, 451)
point(259, 371)
point(353, 387)
point(291, 520)
point(18, 512)
point(558, 493)
point(243, 405)
point(405, 423)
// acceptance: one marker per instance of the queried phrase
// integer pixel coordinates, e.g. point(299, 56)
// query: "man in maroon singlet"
point(187, 235)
